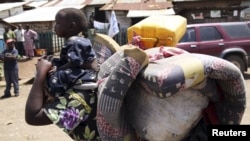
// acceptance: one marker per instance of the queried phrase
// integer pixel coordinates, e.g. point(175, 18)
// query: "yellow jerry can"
point(158, 30)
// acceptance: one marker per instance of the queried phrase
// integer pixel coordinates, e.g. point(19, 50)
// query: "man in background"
point(19, 34)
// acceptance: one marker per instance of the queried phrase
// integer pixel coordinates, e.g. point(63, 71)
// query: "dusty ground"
point(12, 124)
point(14, 128)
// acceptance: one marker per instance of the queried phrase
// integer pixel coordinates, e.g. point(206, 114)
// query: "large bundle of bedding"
point(165, 97)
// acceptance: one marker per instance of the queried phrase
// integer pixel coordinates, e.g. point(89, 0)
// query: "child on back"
point(77, 63)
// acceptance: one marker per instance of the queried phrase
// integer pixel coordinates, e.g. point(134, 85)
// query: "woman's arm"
point(34, 34)
point(88, 65)
point(34, 114)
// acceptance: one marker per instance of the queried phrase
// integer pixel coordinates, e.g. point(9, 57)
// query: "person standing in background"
point(29, 37)
point(91, 20)
point(8, 34)
point(10, 65)
point(19, 34)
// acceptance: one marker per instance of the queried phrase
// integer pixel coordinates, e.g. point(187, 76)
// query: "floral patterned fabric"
point(75, 114)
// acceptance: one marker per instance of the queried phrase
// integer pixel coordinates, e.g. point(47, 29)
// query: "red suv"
point(228, 40)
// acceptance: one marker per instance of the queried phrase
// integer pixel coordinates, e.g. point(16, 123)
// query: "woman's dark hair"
point(77, 16)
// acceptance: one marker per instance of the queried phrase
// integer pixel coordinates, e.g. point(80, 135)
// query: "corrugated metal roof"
point(245, 3)
point(7, 6)
point(146, 13)
point(64, 3)
point(76, 2)
point(137, 5)
point(38, 15)
point(36, 3)
point(186, 0)
point(97, 2)
point(130, 1)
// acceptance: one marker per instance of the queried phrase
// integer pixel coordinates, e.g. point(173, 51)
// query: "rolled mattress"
point(171, 94)
point(164, 99)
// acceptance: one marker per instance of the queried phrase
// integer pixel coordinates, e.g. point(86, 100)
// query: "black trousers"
point(20, 48)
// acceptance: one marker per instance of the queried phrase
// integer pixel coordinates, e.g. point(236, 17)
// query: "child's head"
point(10, 43)
point(70, 22)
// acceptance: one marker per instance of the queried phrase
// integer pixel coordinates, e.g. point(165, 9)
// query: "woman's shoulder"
point(30, 31)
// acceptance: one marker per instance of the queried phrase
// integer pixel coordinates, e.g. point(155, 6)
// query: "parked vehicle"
point(227, 40)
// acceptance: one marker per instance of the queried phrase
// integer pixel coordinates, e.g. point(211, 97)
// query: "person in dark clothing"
point(10, 64)
point(91, 20)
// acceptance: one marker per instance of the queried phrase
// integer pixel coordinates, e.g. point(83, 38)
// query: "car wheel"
point(236, 60)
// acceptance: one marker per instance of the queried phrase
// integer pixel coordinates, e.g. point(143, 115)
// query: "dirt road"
point(14, 128)
point(12, 124)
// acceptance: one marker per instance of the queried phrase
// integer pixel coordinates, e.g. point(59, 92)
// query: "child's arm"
point(65, 66)
point(88, 65)
point(34, 113)
point(9, 56)
point(92, 65)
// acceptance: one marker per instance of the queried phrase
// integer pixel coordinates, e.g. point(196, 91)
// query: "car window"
point(237, 30)
point(209, 33)
point(189, 36)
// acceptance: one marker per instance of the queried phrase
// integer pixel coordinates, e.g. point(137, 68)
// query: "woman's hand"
point(49, 58)
point(43, 67)
point(52, 70)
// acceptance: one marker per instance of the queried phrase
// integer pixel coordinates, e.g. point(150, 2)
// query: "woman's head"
point(70, 22)
point(27, 27)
